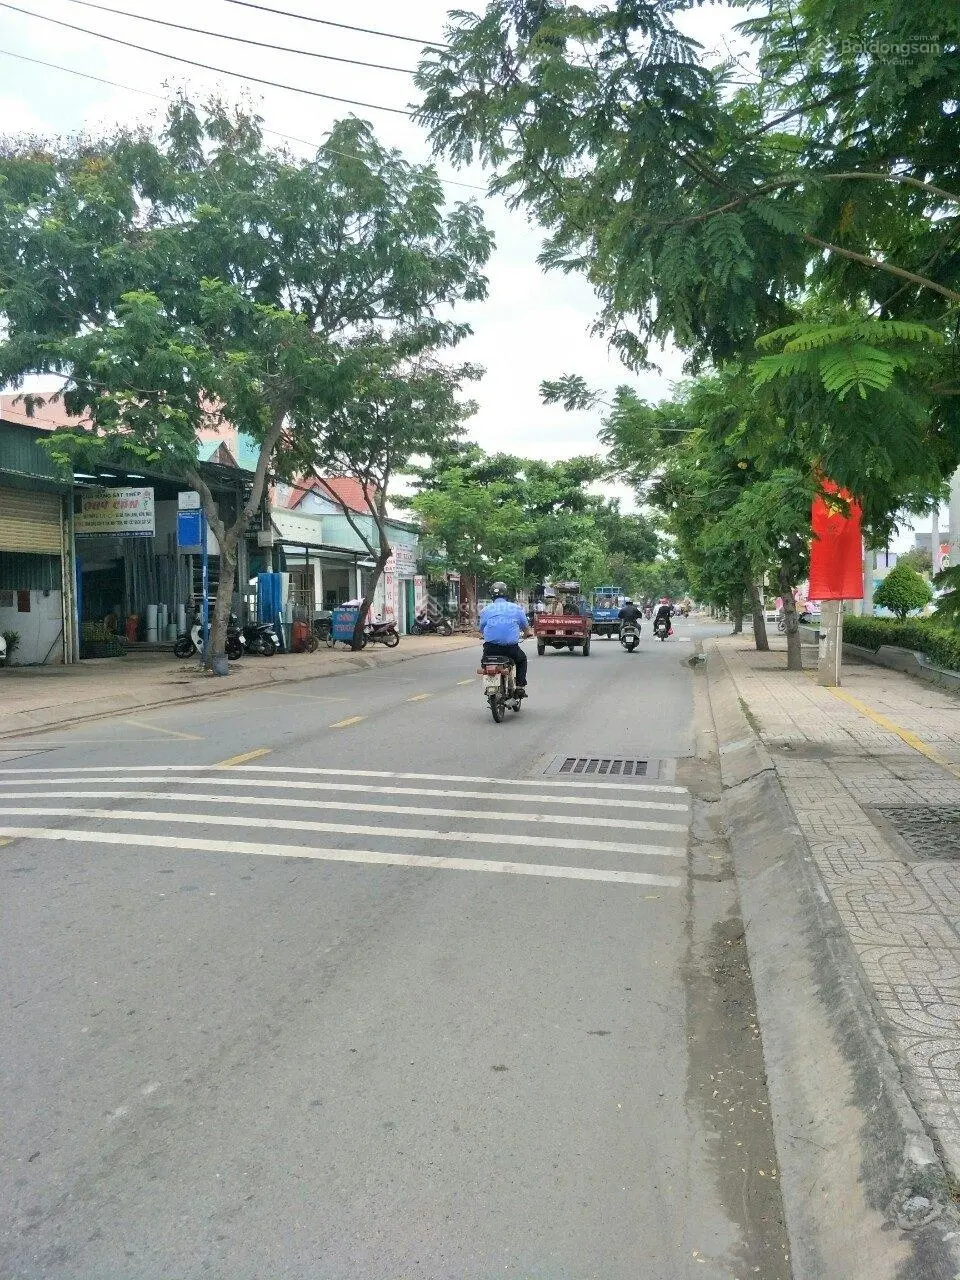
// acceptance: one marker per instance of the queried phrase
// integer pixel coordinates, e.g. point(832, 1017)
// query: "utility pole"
point(869, 565)
point(831, 644)
point(954, 535)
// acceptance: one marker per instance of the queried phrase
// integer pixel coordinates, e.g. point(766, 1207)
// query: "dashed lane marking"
point(372, 857)
point(463, 682)
point(565, 783)
point(340, 828)
point(410, 811)
point(245, 758)
point(419, 697)
point(289, 784)
point(343, 724)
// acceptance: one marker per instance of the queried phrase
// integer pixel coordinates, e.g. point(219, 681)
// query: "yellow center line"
point(244, 758)
point(419, 697)
point(342, 724)
point(905, 735)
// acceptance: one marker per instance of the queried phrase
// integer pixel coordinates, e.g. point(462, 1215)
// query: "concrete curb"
point(865, 1196)
point(210, 687)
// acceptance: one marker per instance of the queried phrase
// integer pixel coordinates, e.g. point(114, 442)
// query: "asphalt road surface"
point(381, 997)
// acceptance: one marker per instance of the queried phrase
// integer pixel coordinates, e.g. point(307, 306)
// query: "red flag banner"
point(836, 554)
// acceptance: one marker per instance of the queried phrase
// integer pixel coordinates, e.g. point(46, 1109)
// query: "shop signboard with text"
point(118, 513)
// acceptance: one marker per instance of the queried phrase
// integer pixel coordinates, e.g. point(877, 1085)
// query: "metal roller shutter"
point(29, 522)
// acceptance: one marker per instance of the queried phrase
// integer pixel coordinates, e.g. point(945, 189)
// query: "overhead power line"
point(205, 66)
point(344, 26)
point(259, 44)
point(160, 97)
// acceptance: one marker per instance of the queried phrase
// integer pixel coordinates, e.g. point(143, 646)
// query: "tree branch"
point(878, 264)
point(778, 183)
point(332, 493)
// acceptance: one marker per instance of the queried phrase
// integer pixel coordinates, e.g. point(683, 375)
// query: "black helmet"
point(498, 589)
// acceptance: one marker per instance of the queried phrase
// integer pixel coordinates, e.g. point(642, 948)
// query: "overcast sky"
point(534, 325)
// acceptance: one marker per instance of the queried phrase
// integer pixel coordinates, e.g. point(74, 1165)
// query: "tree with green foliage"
point(407, 402)
point(179, 281)
point(903, 591)
point(918, 558)
point(814, 207)
point(482, 529)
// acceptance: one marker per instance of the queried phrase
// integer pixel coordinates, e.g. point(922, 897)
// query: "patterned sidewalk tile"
point(903, 918)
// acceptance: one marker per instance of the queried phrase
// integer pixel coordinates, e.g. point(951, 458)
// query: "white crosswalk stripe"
point(586, 832)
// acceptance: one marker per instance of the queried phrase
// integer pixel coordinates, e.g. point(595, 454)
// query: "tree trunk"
point(383, 555)
point(759, 622)
point(790, 620)
point(736, 608)
point(228, 539)
point(221, 608)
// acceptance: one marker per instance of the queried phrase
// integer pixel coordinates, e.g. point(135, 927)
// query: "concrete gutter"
point(865, 1195)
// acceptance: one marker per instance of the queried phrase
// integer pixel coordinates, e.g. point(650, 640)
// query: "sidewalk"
point(871, 771)
point(36, 698)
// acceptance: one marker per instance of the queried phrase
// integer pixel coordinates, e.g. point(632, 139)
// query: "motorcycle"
point(629, 636)
point(499, 686)
point(426, 626)
point(381, 633)
point(190, 643)
point(662, 628)
point(260, 638)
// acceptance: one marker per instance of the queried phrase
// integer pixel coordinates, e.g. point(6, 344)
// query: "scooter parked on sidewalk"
point(260, 638)
point(426, 626)
point(190, 643)
point(629, 635)
point(499, 686)
point(381, 633)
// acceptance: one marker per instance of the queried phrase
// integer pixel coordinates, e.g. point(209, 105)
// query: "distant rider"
point(502, 623)
point(663, 615)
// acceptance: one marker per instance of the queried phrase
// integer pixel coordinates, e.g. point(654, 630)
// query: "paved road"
point(380, 997)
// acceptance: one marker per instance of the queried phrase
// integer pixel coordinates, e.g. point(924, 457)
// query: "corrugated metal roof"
point(22, 455)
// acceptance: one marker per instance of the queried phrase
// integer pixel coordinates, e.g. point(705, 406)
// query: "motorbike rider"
point(630, 614)
point(663, 614)
point(502, 624)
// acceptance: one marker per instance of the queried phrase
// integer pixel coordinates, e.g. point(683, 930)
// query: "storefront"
point(36, 581)
point(131, 575)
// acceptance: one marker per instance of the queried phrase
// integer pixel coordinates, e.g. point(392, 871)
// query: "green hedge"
point(940, 644)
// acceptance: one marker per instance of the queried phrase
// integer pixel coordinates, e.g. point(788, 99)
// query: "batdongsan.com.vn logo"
point(891, 52)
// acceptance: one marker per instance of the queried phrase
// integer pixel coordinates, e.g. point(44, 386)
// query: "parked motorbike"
point(3, 650)
point(662, 628)
point(629, 636)
point(499, 686)
point(427, 626)
point(190, 643)
point(260, 638)
point(381, 633)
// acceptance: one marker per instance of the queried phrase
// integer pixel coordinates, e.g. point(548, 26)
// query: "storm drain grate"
point(932, 832)
point(603, 766)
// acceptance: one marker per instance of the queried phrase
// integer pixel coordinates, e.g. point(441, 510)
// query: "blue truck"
point(605, 611)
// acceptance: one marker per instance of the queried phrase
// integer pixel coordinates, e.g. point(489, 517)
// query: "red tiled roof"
point(348, 490)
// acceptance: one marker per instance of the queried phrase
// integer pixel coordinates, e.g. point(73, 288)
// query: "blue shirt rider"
point(502, 625)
